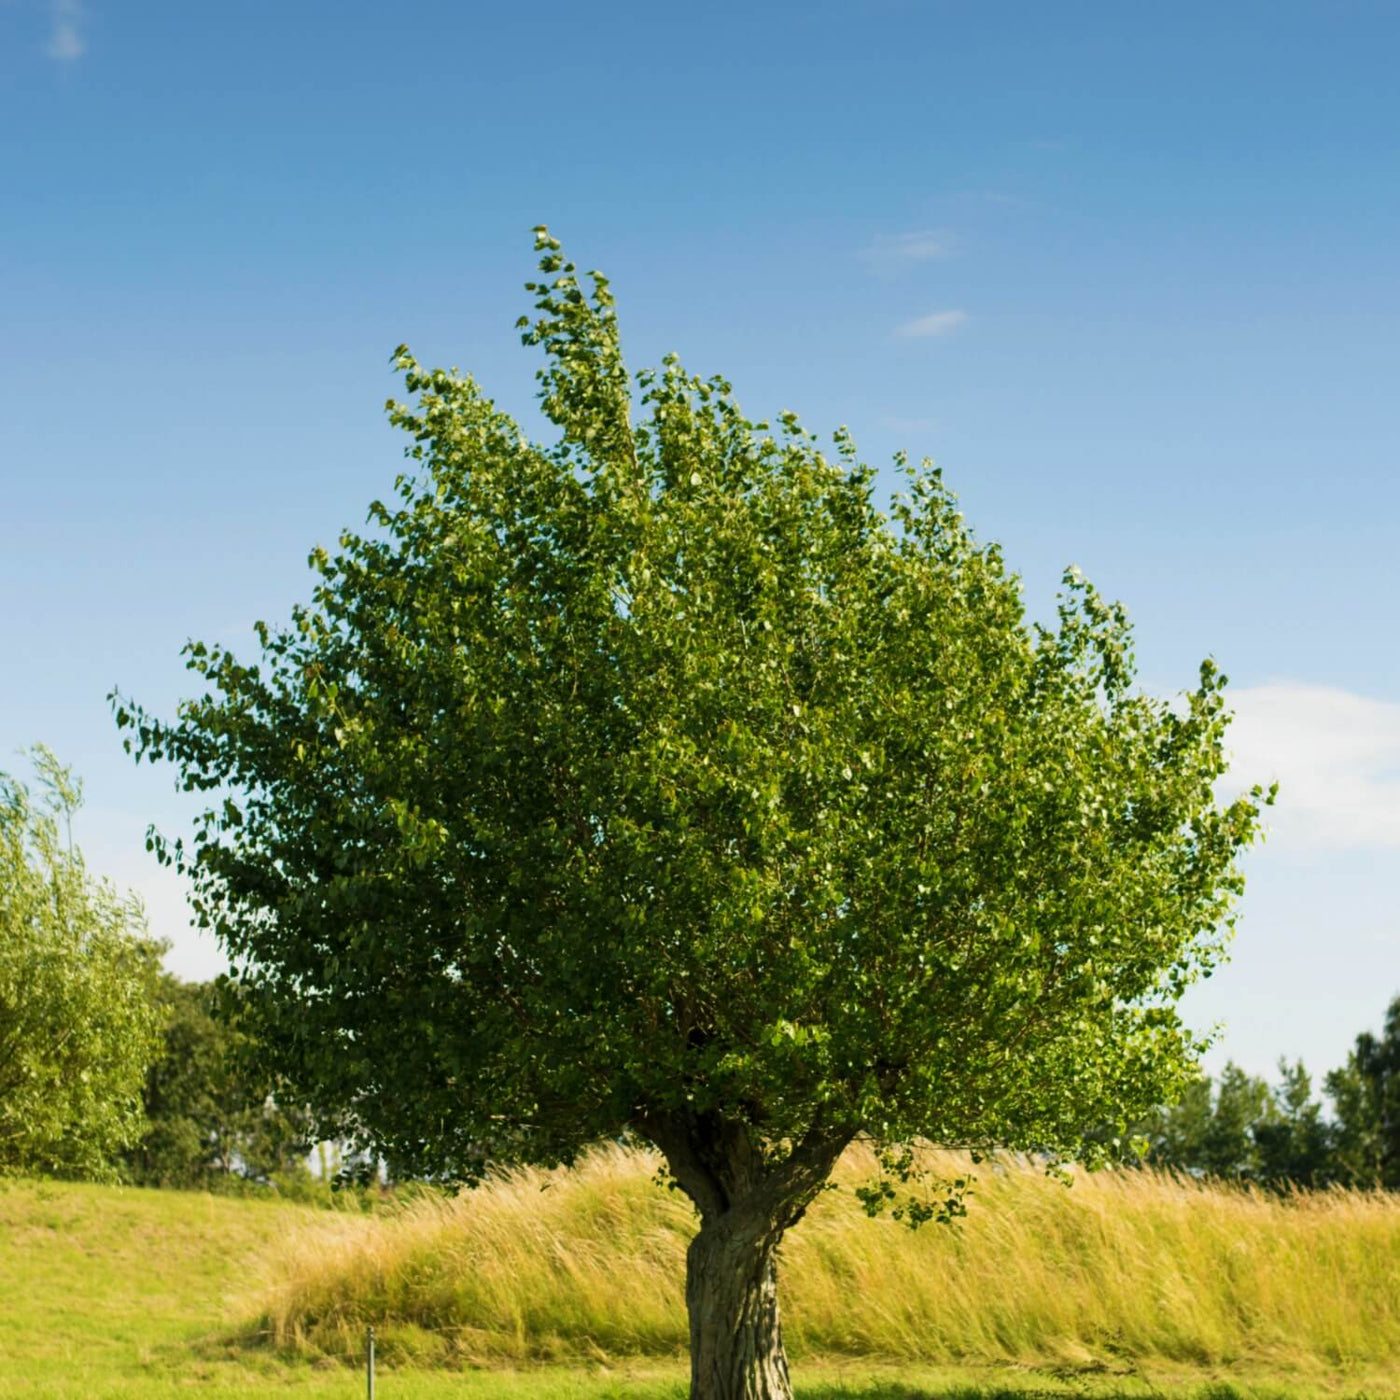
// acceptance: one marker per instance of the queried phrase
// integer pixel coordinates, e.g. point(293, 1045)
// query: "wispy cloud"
point(890, 253)
point(937, 323)
point(909, 425)
point(1336, 756)
point(66, 43)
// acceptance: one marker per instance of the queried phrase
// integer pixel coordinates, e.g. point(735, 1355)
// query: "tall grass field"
point(569, 1284)
point(588, 1264)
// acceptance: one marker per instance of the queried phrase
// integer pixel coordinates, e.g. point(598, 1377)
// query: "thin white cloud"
point(890, 253)
point(1336, 757)
point(938, 323)
point(66, 43)
point(909, 425)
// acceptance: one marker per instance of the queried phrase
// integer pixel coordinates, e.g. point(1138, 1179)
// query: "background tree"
point(1365, 1094)
point(78, 1024)
point(1240, 1129)
point(653, 781)
point(1294, 1141)
point(216, 1113)
point(1175, 1133)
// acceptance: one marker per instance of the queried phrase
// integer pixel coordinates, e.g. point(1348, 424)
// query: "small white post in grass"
point(369, 1363)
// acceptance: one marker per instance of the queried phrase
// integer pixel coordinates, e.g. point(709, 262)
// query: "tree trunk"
point(731, 1294)
point(746, 1197)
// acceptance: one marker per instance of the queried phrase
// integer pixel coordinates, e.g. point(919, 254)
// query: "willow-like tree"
point(652, 781)
point(79, 1023)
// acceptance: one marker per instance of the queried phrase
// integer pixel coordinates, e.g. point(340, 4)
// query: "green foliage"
point(77, 1022)
point(652, 779)
point(1238, 1128)
point(943, 1199)
point(1295, 1141)
point(215, 1115)
point(1209, 1129)
point(1366, 1096)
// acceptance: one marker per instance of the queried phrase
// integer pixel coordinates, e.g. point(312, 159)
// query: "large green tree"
point(651, 780)
point(78, 1021)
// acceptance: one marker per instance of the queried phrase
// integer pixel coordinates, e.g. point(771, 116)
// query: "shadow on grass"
point(894, 1390)
point(1127, 1390)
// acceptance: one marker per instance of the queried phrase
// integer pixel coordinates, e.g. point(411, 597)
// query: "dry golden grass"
point(1122, 1267)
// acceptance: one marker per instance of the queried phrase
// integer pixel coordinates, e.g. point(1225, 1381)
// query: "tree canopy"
point(654, 780)
point(78, 1025)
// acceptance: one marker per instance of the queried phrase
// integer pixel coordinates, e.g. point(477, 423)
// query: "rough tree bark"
point(745, 1204)
point(731, 1295)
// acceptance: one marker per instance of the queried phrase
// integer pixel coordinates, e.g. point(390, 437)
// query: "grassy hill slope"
point(102, 1284)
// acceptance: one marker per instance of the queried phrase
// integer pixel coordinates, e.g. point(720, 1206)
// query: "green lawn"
point(129, 1293)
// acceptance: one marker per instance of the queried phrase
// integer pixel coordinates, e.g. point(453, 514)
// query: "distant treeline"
point(214, 1116)
point(1242, 1128)
point(215, 1120)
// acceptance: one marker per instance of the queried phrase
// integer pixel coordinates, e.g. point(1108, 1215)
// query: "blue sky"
point(1128, 272)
